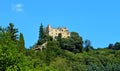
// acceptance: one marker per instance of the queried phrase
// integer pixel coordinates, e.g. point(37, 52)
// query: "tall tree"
point(21, 43)
point(41, 39)
point(12, 31)
point(41, 32)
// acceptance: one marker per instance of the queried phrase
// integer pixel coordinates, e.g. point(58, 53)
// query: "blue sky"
point(96, 20)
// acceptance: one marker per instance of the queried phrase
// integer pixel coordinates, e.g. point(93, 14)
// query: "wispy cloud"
point(17, 7)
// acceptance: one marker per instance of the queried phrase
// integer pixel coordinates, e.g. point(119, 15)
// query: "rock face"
point(54, 32)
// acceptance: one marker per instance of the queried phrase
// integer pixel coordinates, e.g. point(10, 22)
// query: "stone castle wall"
point(54, 32)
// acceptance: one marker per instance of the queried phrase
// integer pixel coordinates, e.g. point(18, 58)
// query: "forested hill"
point(62, 54)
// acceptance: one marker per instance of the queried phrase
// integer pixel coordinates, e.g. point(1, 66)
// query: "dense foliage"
point(59, 55)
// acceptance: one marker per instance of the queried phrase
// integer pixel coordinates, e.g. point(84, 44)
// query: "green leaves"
point(73, 44)
point(59, 55)
point(8, 52)
point(12, 31)
point(21, 43)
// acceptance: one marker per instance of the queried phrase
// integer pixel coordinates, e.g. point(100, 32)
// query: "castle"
point(54, 32)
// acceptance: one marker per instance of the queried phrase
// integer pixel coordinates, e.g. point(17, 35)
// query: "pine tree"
point(41, 39)
point(12, 31)
point(41, 32)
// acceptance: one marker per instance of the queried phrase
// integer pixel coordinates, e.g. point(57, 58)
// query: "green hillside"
point(63, 54)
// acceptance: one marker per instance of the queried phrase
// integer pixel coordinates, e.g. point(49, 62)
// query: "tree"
point(21, 43)
point(12, 31)
point(117, 46)
point(41, 32)
point(87, 45)
point(110, 46)
point(77, 41)
point(41, 39)
point(73, 44)
point(8, 52)
point(51, 52)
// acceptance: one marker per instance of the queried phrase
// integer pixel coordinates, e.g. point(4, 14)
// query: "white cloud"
point(17, 7)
